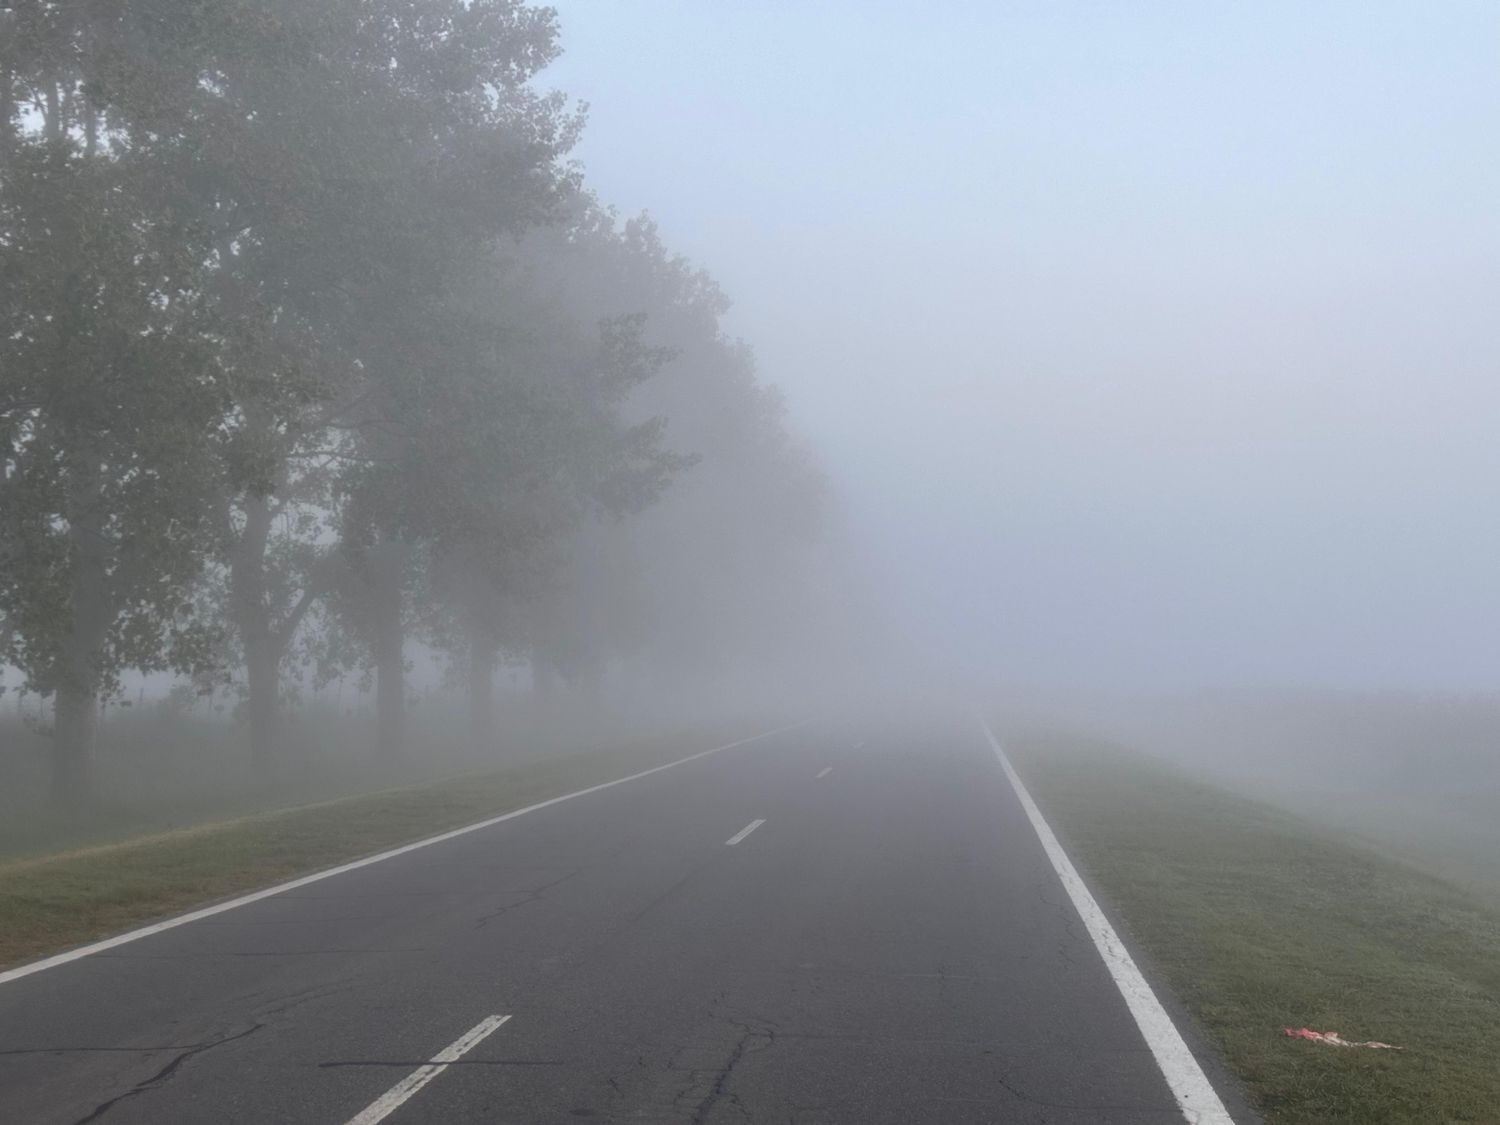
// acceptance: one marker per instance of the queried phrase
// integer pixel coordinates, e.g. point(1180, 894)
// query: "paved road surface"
point(888, 943)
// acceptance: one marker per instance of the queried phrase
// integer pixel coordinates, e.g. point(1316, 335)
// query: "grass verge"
point(56, 902)
point(1258, 921)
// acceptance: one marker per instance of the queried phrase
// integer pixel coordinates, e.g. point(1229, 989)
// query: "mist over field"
point(744, 358)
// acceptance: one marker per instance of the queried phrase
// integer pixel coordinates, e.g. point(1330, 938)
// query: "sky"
point(1147, 345)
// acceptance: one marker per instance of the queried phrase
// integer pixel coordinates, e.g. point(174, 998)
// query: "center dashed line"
point(388, 1102)
point(743, 832)
point(824, 772)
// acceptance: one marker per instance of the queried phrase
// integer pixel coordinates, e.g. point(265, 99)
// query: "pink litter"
point(1333, 1038)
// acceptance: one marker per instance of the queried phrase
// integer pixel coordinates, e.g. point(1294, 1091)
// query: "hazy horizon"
point(1146, 348)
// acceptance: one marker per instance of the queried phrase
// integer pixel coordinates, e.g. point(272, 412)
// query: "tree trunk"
point(73, 730)
point(262, 672)
point(591, 686)
point(390, 687)
point(77, 710)
point(481, 689)
point(543, 677)
point(247, 585)
point(387, 562)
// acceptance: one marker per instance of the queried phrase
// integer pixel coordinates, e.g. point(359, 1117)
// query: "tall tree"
point(330, 244)
point(110, 402)
point(725, 568)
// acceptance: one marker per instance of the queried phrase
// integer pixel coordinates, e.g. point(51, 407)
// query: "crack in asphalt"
point(428, 1062)
point(530, 895)
point(165, 1073)
point(720, 1082)
point(280, 1005)
point(210, 954)
point(1069, 919)
point(329, 896)
point(262, 1015)
point(719, 1090)
point(96, 1050)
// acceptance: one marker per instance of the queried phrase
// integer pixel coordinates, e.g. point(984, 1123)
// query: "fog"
point(1148, 348)
point(742, 359)
point(711, 530)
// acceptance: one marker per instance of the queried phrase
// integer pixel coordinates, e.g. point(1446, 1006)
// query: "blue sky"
point(1148, 343)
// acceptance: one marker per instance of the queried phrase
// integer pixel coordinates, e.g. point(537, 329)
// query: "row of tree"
point(312, 340)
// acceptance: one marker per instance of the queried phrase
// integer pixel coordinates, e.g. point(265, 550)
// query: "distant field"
point(54, 902)
point(1260, 920)
point(1416, 775)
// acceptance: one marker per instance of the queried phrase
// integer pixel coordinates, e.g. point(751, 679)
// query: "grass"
point(54, 902)
point(157, 771)
point(1259, 920)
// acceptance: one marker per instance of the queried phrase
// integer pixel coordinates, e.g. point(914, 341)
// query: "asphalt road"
point(890, 944)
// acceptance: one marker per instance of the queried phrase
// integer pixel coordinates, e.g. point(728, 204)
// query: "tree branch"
point(283, 635)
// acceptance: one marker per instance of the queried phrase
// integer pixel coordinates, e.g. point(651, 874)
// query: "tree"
point(333, 237)
point(305, 319)
point(327, 241)
point(110, 404)
point(724, 569)
point(515, 436)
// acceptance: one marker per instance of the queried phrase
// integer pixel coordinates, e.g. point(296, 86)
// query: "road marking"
point(388, 1102)
point(1195, 1095)
point(743, 832)
point(245, 900)
point(824, 772)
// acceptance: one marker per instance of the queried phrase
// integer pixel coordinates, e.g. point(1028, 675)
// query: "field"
point(1414, 775)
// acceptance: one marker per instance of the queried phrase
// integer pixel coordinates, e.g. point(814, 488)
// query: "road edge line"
point(1195, 1095)
point(69, 955)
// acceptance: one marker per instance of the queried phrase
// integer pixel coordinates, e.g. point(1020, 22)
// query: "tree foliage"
point(307, 325)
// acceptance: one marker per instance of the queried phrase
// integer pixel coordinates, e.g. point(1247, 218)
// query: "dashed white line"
point(824, 772)
point(1195, 1095)
point(388, 1102)
point(743, 832)
point(255, 896)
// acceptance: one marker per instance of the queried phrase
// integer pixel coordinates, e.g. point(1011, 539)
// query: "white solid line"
point(743, 832)
point(383, 1106)
point(1195, 1095)
point(824, 772)
point(244, 900)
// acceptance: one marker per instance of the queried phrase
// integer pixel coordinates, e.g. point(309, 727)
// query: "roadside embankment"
point(1259, 920)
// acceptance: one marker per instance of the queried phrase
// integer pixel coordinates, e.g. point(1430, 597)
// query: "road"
point(825, 925)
